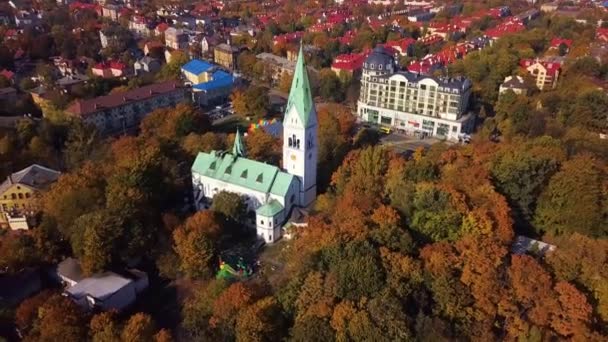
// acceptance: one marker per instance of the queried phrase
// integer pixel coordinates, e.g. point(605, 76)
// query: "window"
point(244, 174)
point(269, 237)
point(27, 195)
point(14, 196)
point(261, 222)
point(260, 178)
point(270, 224)
point(292, 199)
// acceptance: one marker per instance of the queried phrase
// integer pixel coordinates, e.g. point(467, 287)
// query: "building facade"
point(20, 195)
point(119, 112)
point(226, 55)
point(176, 39)
point(413, 103)
point(210, 84)
point(515, 84)
point(546, 72)
point(270, 192)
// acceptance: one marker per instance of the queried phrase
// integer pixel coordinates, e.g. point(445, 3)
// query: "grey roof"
point(516, 82)
point(35, 176)
point(525, 244)
point(8, 90)
point(459, 82)
point(72, 79)
point(99, 286)
point(277, 60)
point(70, 268)
point(379, 56)
point(227, 48)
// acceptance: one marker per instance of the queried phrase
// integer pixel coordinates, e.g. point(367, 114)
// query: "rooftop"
point(270, 209)
point(35, 176)
point(86, 107)
point(99, 286)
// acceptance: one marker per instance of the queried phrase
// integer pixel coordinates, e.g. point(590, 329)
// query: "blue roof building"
point(210, 84)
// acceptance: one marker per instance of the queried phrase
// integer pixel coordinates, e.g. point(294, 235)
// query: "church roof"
point(243, 172)
point(300, 94)
point(270, 209)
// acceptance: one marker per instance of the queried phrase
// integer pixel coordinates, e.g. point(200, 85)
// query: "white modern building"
point(269, 191)
point(411, 102)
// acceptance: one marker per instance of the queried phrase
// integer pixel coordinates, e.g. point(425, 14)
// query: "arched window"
point(292, 199)
point(290, 142)
point(298, 143)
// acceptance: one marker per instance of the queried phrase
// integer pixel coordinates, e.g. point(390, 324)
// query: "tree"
point(95, 240)
point(140, 327)
point(252, 102)
point(227, 306)
point(231, 205)
point(263, 147)
point(195, 143)
point(434, 215)
point(285, 82)
point(573, 200)
point(194, 244)
point(103, 327)
point(163, 335)
point(26, 313)
point(59, 319)
point(172, 70)
point(17, 251)
point(82, 144)
point(312, 329)
point(330, 87)
point(259, 321)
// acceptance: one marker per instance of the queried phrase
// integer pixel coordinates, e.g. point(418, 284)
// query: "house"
point(270, 193)
point(601, 34)
point(226, 55)
point(68, 82)
point(549, 7)
point(523, 245)
point(404, 46)
point(110, 11)
point(208, 43)
point(546, 72)
point(153, 47)
point(560, 44)
point(20, 194)
point(146, 65)
point(515, 84)
point(161, 28)
point(348, 63)
point(102, 291)
point(141, 26)
point(109, 69)
point(176, 39)
point(9, 75)
point(288, 38)
point(116, 113)
point(210, 84)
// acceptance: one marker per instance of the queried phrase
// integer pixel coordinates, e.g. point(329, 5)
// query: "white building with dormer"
point(272, 193)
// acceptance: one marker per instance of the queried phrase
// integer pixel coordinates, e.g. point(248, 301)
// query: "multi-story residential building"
point(414, 103)
point(226, 55)
point(119, 112)
point(20, 194)
point(176, 39)
point(277, 65)
point(110, 11)
point(546, 72)
point(141, 26)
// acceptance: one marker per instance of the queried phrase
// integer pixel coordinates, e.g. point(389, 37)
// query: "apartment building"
point(414, 103)
point(226, 55)
point(176, 39)
point(120, 112)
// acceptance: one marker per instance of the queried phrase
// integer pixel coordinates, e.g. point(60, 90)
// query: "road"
point(401, 143)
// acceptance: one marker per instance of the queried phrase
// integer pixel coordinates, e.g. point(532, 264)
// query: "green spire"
point(238, 149)
point(300, 95)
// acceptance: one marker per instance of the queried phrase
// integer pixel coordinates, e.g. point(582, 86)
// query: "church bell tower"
point(300, 134)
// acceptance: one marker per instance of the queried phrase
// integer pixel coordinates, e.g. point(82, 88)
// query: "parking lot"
point(220, 112)
point(406, 144)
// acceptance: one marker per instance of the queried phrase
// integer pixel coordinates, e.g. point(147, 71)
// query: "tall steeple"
point(300, 134)
point(300, 94)
point(238, 149)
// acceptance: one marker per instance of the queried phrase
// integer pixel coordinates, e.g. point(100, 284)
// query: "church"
point(269, 191)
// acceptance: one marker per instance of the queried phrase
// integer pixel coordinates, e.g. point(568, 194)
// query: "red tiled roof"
point(556, 42)
point(512, 25)
point(288, 37)
point(350, 62)
point(551, 66)
point(602, 34)
point(162, 27)
point(7, 73)
point(401, 44)
point(86, 107)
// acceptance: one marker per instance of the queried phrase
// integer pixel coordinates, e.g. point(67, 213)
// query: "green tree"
point(231, 205)
point(434, 215)
point(573, 200)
